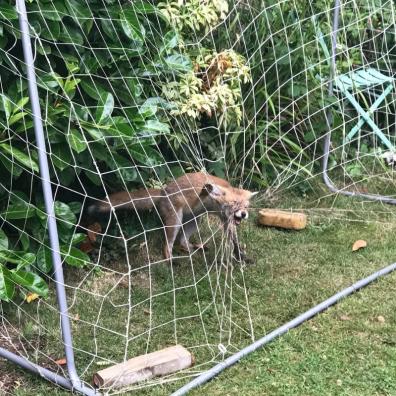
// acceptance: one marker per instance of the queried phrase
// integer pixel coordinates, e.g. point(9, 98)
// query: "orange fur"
point(182, 201)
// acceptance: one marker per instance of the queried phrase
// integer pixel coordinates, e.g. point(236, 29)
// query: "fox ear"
point(213, 190)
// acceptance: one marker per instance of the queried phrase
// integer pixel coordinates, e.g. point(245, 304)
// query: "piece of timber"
point(282, 219)
point(144, 367)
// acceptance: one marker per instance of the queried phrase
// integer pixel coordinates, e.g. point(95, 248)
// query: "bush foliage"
point(132, 93)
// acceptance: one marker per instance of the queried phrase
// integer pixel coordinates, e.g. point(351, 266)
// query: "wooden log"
point(144, 367)
point(282, 219)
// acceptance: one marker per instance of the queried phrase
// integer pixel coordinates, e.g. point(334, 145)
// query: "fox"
point(180, 205)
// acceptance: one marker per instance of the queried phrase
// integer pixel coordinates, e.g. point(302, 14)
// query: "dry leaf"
point(31, 297)
point(86, 246)
point(345, 317)
point(93, 230)
point(359, 244)
point(60, 362)
point(380, 319)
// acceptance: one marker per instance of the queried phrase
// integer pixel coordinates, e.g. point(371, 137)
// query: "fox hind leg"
point(174, 219)
point(189, 228)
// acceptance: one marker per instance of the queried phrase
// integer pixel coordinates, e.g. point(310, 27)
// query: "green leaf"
point(16, 117)
point(148, 110)
point(63, 212)
point(121, 126)
point(24, 240)
point(54, 10)
point(135, 86)
point(8, 12)
point(11, 166)
point(76, 140)
point(126, 170)
point(157, 102)
point(20, 156)
point(50, 81)
point(21, 104)
point(170, 40)
point(131, 25)
point(23, 127)
point(49, 30)
point(78, 10)
point(19, 210)
point(93, 177)
point(20, 258)
point(7, 286)
point(61, 156)
point(44, 259)
point(74, 256)
point(75, 207)
point(3, 240)
point(78, 238)
point(178, 63)
point(6, 105)
point(95, 133)
point(155, 126)
point(93, 89)
point(30, 281)
point(105, 107)
point(44, 49)
point(3, 41)
point(109, 28)
point(70, 86)
point(146, 155)
point(71, 35)
point(143, 7)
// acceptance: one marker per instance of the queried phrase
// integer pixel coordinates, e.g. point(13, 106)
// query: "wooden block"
point(144, 367)
point(282, 219)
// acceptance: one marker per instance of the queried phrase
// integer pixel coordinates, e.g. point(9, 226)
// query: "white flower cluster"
point(214, 88)
point(194, 14)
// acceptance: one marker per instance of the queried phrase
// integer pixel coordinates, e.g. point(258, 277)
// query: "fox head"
point(233, 202)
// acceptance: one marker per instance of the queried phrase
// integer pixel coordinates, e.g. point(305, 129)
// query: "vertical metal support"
point(329, 121)
point(74, 382)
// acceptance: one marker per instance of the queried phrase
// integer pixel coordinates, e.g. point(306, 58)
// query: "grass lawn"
point(348, 350)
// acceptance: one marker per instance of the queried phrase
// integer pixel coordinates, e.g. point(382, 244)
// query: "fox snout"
point(240, 215)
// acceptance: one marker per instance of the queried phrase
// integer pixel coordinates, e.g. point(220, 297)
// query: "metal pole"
point(329, 121)
point(205, 377)
point(48, 198)
point(45, 373)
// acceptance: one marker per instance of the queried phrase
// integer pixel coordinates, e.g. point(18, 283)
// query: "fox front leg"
point(239, 254)
point(172, 225)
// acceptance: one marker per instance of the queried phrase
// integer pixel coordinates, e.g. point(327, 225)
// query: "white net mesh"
point(135, 94)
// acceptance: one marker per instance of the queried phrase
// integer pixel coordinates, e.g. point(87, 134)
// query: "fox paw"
point(193, 246)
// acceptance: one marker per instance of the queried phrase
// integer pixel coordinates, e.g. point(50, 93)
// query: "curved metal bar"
point(214, 371)
point(45, 373)
point(205, 377)
point(329, 121)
